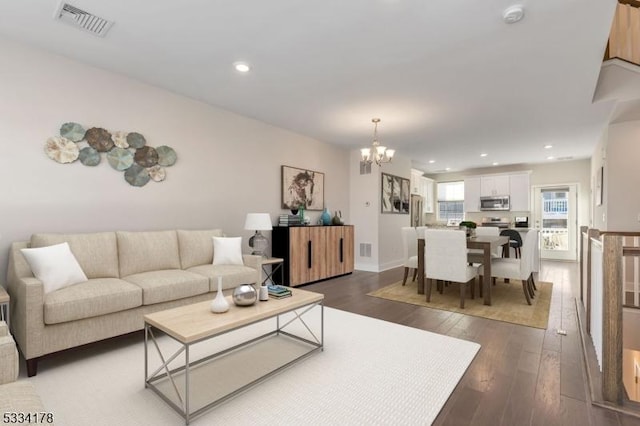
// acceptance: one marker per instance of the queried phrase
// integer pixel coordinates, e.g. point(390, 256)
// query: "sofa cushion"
point(97, 253)
point(195, 246)
point(55, 266)
point(147, 251)
point(232, 275)
point(173, 284)
point(91, 298)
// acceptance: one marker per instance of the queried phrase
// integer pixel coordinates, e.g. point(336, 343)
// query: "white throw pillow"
point(227, 251)
point(55, 266)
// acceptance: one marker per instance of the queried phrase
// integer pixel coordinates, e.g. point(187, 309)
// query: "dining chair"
point(445, 258)
point(477, 255)
point(515, 240)
point(410, 248)
point(517, 269)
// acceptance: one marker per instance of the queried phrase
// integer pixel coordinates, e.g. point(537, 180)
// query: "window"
point(450, 200)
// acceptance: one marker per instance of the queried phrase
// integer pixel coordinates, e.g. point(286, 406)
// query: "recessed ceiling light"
point(495, 164)
point(548, 146)
point(432, 161)
point(447, 168)
point(241, 66)
point(513, 14)
point(550, 157)
point(484, 154)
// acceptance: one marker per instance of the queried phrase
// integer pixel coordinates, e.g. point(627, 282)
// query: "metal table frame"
point(317, 345)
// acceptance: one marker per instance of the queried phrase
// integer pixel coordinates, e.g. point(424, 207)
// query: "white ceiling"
point(449, 79)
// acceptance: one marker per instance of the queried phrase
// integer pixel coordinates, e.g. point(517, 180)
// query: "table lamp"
point(258, 222)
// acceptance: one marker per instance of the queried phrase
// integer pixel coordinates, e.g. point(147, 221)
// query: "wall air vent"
point(365, 249)
point(80, 19)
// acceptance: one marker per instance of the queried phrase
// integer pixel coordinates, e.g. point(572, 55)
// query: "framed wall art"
point(395, 194)
point(302, 187)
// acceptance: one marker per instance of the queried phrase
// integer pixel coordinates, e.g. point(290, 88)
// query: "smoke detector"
point(513, 14)
point(85, 21)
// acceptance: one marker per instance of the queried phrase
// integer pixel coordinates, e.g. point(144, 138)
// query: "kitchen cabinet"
point(519, 188)
point(494, 185)
point(313, 253)
point(472, 194)
point(427, 194)
point(416, 182)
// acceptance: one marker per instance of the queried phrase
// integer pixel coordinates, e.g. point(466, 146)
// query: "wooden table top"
point(191, 323)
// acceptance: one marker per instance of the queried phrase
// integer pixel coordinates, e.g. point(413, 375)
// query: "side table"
point(276, 265)
point(4, 305)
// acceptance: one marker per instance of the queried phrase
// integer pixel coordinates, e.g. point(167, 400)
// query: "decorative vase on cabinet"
point(326, 217)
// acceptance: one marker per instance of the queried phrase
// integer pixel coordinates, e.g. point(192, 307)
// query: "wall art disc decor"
point(72, 131)
point(99, 139)
point(89, 156)
point(146, 156)
point(125, 151)
point(136, 140)
point(302, 187)
point(120, 158)
point(61, 149)
point(137, 175)
point(166, 156)
point(120, 139)
point(157, 173)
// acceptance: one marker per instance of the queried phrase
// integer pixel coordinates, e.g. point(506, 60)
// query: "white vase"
point(219, 304)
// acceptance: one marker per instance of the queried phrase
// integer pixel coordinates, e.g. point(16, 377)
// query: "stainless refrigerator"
point(416, 212)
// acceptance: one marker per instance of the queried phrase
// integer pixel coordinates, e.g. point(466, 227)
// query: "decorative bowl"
point(245, 295)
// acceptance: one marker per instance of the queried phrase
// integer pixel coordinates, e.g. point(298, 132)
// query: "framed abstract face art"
point(301, 187)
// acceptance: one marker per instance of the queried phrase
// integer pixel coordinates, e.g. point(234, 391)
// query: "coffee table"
point(192, 324)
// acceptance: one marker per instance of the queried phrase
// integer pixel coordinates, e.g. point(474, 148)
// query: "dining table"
point(487, 243)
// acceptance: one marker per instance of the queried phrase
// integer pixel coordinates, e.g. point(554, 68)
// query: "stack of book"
point(279, 291)
point(289, 220)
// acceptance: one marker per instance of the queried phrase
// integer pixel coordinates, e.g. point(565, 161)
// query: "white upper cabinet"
point(416, 181)
point(427, 193)
point(519, 192)
point(494, 185)
point(472, 194)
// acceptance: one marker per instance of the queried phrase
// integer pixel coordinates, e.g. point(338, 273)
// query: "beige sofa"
point(129, 275)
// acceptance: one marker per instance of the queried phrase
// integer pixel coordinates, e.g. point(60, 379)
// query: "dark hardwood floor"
point(521, 375)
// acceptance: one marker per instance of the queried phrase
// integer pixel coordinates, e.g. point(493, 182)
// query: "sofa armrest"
point(27, 315)
point(8, 359)
point(255, 262)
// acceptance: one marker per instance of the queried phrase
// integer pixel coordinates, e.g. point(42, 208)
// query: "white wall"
point(390, 239)
point(382, 231)
point(228, 165)
point(622, 178)
point(598, 160)
point(364, 206)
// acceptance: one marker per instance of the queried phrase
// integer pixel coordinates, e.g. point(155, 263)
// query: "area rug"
point(370, 372)
point(508, 303)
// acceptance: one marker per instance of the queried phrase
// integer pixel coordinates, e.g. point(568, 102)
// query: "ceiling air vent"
point(84, 20)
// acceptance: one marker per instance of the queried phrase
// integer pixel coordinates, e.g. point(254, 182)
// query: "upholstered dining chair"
point(517, 269)
point(410, 248)
point(445, 258)
point(477, 255)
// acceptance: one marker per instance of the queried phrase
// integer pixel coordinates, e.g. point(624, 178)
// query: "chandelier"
point(380, 154)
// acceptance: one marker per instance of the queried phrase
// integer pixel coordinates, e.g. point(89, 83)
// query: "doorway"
point(555, 216)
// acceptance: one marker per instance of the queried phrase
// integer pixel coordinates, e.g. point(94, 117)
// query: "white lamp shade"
point(258, 222)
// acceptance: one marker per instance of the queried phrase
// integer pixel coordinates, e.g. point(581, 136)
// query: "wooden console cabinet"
point(313, 253)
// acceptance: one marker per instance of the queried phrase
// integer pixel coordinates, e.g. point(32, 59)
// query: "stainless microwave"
point(498, 202)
